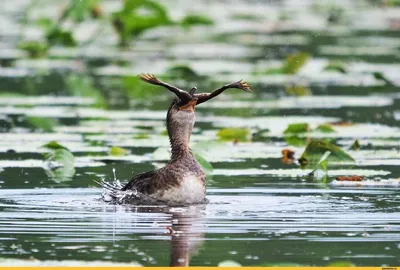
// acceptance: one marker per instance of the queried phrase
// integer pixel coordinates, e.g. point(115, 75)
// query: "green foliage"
point(297, 128)
point(137, 89)
point(325, 128)
point(80, 10)
point(298, 90)
point(80, 85)
point(317, 148)
point(136, 17)
point(234, 134)
point(207, 167)
point(193, 19)
point(35, 49)
point(45, 23)
point(63, 159)
point(141, 136)
point(61, 37)
point(341, 264)
point(246, 17)
point(380, 76)
point(356, 145)
point(53, 145)
point(336, 66)
point(295, 140)
point(41, 123)
point(118, 151)
point(182, 71)
point(292, 64)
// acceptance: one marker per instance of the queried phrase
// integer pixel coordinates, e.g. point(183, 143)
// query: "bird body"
point(182, 180)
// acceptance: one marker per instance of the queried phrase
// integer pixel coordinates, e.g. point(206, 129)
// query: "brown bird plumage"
point(182, 181)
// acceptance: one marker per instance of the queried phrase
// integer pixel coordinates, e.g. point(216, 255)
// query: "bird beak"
point(189, 106)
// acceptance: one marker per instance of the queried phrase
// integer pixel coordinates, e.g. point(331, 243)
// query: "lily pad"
point(297, 128)
point(317, 148)
point(118, 151)
point(234, 134)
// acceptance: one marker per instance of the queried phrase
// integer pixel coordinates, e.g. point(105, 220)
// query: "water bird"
point(182, 180)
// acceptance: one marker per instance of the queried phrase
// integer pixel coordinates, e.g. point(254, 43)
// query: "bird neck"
point(179, 138)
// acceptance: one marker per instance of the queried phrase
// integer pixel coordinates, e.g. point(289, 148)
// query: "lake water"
point(262, 210)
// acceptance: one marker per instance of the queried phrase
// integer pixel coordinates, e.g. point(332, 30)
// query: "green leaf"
point(247, 17)
point(45, 23)
point(35, 49)
point(192, 20)
point(297, 128)
point(64, 158)
point(356, 145)
point(294, 62)
point(54, 146)
point(119, 151)
point(336, 66)
point(136, 17)
point(382, 77)
point(81, 9)
point(317, 149)
point(325, 128)
point(298, 90)
point(182, 71)
point(232, 134)
point(134, 88)
point(295, 140)
point(41, 123)
point(61, 37)
point(141, 136)
point(341, 264)
point(81, 85)
point(207, 167)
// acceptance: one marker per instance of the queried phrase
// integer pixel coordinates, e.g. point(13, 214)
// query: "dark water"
point(261, 210)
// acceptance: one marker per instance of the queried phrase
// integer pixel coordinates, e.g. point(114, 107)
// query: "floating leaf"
point(382, 77)
point(295, 62)
point(234, 134)
point(295, 140)
point(246, 17)
point(336, 66)
point(298, 90)
point(297, 128)
point(118, 151)
point(341, 264)
point(41, 123)
point(35, 49)
point(141, 136)
point(54, 145)
point(207, 167)
point(356, 145)
point(192, 20)
point(81, 85)
point(325, 128)
point(65, 159)
point(318, 148)
point(136, 17)
point(61, 37)
point(182, 71)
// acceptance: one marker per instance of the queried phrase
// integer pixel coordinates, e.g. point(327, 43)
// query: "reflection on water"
point(250, 226)
point(185, 239)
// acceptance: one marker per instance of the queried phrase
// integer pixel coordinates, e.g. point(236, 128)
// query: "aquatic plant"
point(291, 65)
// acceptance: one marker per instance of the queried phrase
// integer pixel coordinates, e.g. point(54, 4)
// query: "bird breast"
point(190, 191)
